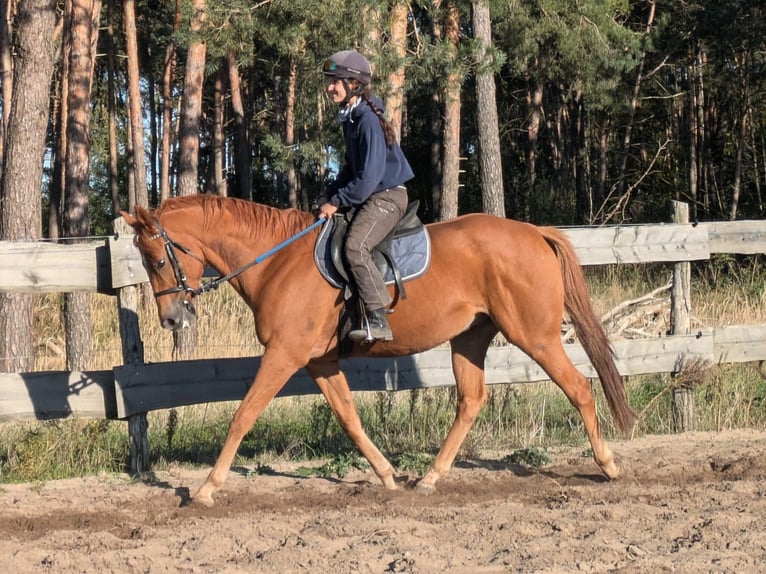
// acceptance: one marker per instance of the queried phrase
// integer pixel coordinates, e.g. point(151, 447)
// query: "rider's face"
point(337, 90)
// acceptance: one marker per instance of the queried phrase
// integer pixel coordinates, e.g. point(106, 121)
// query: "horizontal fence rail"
point(114, 263)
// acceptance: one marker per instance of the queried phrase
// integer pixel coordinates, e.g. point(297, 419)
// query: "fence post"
point(680, 324)
point(132, 354)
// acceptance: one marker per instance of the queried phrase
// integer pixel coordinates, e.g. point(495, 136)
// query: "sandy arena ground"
point(694, 502)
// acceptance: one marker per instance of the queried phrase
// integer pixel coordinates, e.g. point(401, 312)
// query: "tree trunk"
point(20, 198)
point(114, 176)
point(490, 164)
point(436, 171)
point(756, 162)
point(400, 10)
point(436, 126)
point(448, 205)
point(627, 138)
point(56, 186)
point(704, 165)
point(535, 113)
point(58, 182)
point(191, 108)
point(185, 341)
point(218, 179)
point(6, 69)
point(583, 200)
point(168, 77)
point(370, 33)
point(603, 168)
point(244, 173)
point(693, 142)
point(151, 97)
point(83, 38)
point(743, 69)
point(292, 177)
point(136, 159)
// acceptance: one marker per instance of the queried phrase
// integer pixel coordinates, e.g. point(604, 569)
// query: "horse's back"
point(483, 237)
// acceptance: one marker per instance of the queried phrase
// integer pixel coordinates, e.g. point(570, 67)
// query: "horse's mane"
point(240, 215)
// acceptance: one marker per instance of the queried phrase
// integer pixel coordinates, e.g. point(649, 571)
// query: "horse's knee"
point(468, 408)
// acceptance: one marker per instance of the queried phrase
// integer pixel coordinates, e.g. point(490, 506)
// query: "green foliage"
point(340, 465)
point(533, 456)
point(585, 57)
point(417, 463)
point(61, 449)
point(584, 46)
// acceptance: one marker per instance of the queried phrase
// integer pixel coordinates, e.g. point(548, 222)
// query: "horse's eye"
point(159, 264)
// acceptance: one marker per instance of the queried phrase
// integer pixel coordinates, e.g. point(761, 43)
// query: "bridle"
point(170, 249)
point(183, 287)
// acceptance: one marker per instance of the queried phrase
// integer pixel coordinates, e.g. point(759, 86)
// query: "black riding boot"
point(374, 328)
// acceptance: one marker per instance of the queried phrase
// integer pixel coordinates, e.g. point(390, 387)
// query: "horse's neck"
point(248, 236)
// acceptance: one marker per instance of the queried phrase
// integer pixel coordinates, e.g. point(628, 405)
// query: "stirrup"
point(365, 335)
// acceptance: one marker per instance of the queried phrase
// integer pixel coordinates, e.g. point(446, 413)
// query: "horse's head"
point(174, 270)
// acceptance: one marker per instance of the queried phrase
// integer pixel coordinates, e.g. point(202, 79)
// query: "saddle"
point(402, 256)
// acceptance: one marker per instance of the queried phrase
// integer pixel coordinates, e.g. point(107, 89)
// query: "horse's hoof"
point(201, 501)
point(425, 489)
point(391, 483)
point(611, 471)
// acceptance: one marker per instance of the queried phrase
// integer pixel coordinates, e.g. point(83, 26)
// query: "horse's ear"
point(142, 217)
point(129, 219)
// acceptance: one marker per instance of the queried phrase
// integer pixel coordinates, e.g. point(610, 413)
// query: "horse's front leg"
point(272, 375)
point(334, 386)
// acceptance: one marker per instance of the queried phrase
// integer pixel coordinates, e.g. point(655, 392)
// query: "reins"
point(182, 286)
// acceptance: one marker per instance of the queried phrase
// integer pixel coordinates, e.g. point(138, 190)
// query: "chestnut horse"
point(487, 275)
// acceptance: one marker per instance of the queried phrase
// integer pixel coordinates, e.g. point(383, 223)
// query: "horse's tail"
point(589, 329)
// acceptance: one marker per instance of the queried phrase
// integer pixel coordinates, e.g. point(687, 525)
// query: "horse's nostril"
point(169, 323)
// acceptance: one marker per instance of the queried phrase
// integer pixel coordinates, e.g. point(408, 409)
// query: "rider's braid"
point(388, 129)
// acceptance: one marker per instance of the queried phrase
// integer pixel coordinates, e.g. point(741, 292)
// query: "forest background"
point(549, 111)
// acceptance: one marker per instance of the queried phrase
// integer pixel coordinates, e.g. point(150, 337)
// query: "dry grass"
point(225, 329)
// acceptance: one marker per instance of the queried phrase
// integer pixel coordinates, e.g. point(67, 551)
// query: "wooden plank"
point(126, 265)
point(43, 267)
point(594, 246)
point(633, 357)
point(57, 395)
point(682, 397)
point(639, 243)
point(142, 388)
point(132, 354)
point(743, 237)
point(740, 344)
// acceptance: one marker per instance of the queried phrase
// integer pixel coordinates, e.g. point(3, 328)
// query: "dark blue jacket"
point(370, 165)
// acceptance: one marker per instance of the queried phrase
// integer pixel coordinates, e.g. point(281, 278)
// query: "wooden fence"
point(113, 266)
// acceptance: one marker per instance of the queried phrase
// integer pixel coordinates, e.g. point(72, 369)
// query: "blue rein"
point(181, 276)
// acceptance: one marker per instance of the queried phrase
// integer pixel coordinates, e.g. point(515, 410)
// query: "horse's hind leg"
point(334, 386)
point(469, 349)
point(551, 357)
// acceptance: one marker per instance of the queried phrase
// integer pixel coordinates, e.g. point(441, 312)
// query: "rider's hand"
point(326, 210)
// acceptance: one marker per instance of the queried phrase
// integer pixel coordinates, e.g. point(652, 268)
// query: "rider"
point(370, 183)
